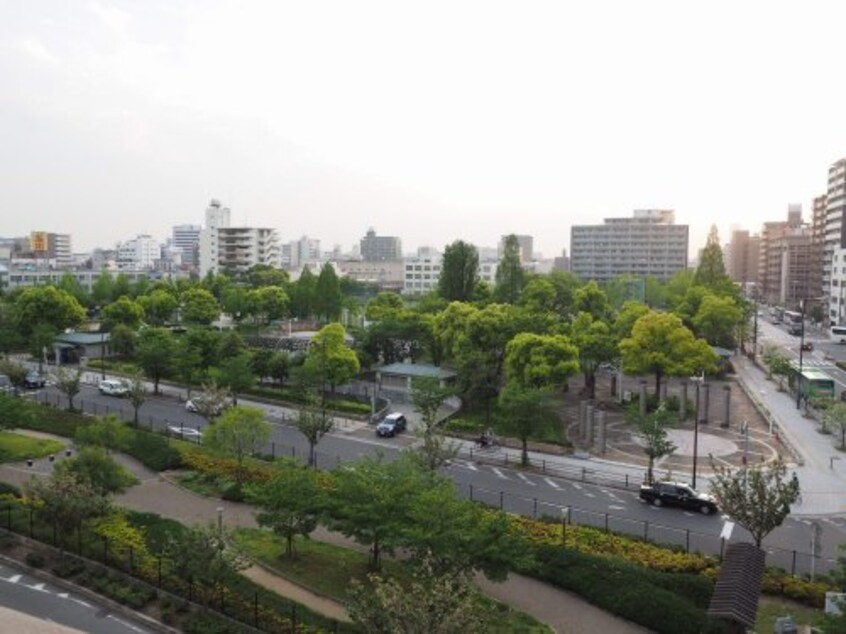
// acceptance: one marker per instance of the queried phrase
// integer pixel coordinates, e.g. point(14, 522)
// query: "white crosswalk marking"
point(499, 474)
point(526, 480)
point(590, 495)
point(614, 507)
point(576, 486)
point(551, 483)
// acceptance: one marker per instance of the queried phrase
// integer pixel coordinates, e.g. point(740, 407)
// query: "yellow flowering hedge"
point(595, 541)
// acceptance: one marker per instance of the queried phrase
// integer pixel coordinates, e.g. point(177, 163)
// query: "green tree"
point(264, 275)
point(717, 320)
point(65, 501)
point(236, 302)
point(427, 396)
point(758, 497)
point(267, 303)
point(41, 342)
point(16, 371)
point(835, 415)
point(780, 367)
point(370, 501)
point(510, 275)
point(97, 468)
point(662, 345)
point(108, 432)
point(290, 502)
point(303, 294)
point(459, 272)
point(122, 340)
point(525, 412)
point(188, 363)
point(539, 295)
point(123, 311)
point(102, 289)
point(69, 382)
point(430, 602)
point(711, 271)
point(155, 354)
point(159, 306)
point(137, 394)
point(330, 359)
point(212, 401)
point(71, 285)
point(596, 344)
point(385, 305)
point(235, 374)
point(652, 428)
point(314, 424)
point(536, 361)
point(47, 306)
point(16, 412)
point(199, 307)
point(592, 300)
point(240, 432)
point(122, 286)
point(327, 294)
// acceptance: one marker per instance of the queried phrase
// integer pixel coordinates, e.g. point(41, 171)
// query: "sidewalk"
point(566, 613)
point(822, 468)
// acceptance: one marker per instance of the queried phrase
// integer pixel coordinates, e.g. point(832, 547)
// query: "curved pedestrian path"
point(158, 493)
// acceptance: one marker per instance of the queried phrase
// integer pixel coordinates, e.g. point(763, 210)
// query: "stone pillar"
point(601, 438)
point(683, 401)
point(706, 402)
point(588, 424)
point(582, 408)
point(643, 398)
point(662, 395)
point(727, 410)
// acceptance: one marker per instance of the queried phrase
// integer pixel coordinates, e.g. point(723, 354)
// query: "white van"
point(113, 387)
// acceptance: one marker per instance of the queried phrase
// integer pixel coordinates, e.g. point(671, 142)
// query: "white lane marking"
point(13, 579)
point(590, 495)
point(576, 485)
point(688, 513)
point(526, 480)
point(39, 587)
point(614, 507)
point(471, 466)
point(551, 483)
point(499, 474)
point(63, 595)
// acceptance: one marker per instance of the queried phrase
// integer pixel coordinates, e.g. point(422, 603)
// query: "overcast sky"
point(427, 120)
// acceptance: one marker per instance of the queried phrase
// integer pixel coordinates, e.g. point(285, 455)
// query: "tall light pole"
point(695, 434)
point(755, 325)
point(801, 351)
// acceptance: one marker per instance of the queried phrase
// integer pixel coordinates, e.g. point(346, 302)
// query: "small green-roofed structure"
point(401, 375)
point(71, 347)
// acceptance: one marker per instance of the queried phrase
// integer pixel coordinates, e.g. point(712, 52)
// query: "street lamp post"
point(755, 327)
point(801, 353)
point(102, 353)
point(695, 434)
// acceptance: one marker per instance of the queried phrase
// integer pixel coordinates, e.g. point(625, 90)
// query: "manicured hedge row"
point(667, 603)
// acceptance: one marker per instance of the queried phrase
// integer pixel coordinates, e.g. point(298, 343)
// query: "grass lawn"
point(328, 569)
point(770, 608)
point(15, 447)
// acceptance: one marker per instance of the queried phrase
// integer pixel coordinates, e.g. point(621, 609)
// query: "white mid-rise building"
point(837, 294)
point(647, 244)
point(834, 238)
point(185, 241)
point(138, 254)
point(236, 249)
point(298, 253)
point(422, 272)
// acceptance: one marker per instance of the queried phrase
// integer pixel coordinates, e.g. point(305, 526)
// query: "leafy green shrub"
point(154, 451)
point(233, 492)
point(68, 567)
point(36, 560)
point(463, 425)
point(9, 489)
point(672, 605)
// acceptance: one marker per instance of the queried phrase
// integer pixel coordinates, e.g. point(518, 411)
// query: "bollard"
point(534, 510)
point(606, 522)
point(471, 492)
point(646, 531)
point(687, 541)
point(501, 497)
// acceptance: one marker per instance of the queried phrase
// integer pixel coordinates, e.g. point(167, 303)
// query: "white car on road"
point(186, 433)
point(113, 387)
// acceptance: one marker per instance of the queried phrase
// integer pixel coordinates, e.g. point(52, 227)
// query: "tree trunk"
point(658, 381)
point(289, 549)
point(375, 554)
point(524, 457)
point(156, 385)
point(311, 460)
point(649, 477)
point(135, 418)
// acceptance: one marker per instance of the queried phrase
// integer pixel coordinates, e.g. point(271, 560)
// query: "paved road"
point(528, 493)
point(48, 602)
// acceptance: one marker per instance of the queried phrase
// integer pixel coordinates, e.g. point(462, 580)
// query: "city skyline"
point(443, 122)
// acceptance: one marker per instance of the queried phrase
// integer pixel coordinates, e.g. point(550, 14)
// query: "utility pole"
point(801, 352)
point(755, 326)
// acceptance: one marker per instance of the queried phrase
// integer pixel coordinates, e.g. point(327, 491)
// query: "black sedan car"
point(678, 494)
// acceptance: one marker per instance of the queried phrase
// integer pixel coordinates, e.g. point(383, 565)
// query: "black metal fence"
point(795, 562)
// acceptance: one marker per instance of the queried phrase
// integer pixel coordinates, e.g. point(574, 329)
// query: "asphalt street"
point(24, 593)
point(525, 492)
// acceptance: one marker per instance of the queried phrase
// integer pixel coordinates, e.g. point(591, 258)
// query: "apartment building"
point(647, 244)
point(236, 249)
point(380, 248)
point(387, 275)
point(742, 256)
point(834, 236)
point(185, 240)
point(527, 248)
point(786, 263)
point(139, 253)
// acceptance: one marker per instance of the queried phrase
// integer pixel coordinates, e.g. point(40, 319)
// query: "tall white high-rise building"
point(234, 249)
point(217, 216)
point(834, 239)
